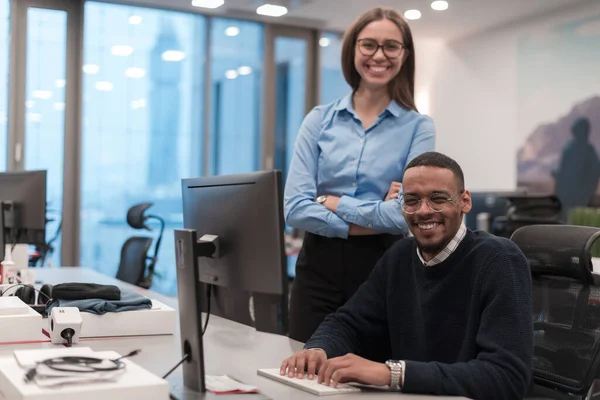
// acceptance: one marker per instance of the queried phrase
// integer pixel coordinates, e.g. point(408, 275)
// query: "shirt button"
point(362, 140)
point(353, 183)
point(346, 216)
point(370, 225)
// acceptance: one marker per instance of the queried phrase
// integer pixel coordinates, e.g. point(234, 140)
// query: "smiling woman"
point(347, 168)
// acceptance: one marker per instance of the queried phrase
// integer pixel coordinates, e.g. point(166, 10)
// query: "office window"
point(236, 52)
point(333, 84)
point(45, 110)
point(4, 50)
point(142, 127)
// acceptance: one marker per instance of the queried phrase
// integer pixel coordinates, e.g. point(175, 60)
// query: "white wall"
point(472, 90)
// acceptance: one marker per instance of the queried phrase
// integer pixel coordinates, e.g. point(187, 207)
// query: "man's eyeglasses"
point(437, 202)
point(391, 48)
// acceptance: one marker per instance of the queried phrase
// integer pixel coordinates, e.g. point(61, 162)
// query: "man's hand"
point(306, 360)
point(395, 188)
point(352, 368)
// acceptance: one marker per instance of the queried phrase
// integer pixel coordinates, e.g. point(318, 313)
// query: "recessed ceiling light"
point(324, 42)
point(135, 20)
point(59, 106)
point(231, 74)
point(90, 69)
point(173, 55)
point(244, 70)
point(271, 10)
point(42, 94)
point(104, 86)
point(232, 31)
point(208, 3)
point(412, 14)
point(135, 72)
point(121, 50)
point(439, 5)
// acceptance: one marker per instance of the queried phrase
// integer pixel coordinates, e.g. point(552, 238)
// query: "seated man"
point(450, 307)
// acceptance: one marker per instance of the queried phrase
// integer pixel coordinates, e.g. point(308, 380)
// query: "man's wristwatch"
point(321, 199)
point(395, 367)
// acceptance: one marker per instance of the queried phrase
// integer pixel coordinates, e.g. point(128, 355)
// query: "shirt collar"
point(345, 103)
point(446, 251)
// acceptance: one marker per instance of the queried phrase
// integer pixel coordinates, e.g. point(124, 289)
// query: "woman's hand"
point(394, 191)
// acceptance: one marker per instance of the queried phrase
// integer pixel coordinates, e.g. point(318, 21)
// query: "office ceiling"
point(463, 18)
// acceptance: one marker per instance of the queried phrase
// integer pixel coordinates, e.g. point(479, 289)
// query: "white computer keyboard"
point(308, 385)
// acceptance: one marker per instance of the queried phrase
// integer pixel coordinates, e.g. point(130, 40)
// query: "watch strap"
point(395, 372)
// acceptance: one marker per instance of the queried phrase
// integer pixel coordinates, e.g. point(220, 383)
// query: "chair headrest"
point(135, 216)
point(559, 250)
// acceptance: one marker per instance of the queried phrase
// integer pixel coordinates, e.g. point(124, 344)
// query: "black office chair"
point(525, 210)
point(565, 308)
point(136, 267)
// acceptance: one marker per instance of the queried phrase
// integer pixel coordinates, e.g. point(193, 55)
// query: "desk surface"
point(229, 348)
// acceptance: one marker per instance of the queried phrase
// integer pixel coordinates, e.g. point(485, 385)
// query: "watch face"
point(321, 199)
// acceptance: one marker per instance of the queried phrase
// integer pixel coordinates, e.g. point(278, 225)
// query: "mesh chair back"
point(565, 305)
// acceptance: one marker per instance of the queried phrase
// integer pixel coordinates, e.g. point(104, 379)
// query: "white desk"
point(229, 348)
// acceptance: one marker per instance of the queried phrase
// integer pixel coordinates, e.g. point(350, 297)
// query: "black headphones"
point(27, 293)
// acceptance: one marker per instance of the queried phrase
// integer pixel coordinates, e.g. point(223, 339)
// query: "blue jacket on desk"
point(335, 155)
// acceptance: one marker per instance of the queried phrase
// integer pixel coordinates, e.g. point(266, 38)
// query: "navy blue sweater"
point(463, 327)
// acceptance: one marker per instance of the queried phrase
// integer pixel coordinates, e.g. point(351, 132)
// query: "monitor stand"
point(180, 392)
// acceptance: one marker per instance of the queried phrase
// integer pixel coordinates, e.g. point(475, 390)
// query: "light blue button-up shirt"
point(335, 155)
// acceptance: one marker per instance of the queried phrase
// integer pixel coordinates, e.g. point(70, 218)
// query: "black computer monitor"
point(232, 243)
point(23, 205)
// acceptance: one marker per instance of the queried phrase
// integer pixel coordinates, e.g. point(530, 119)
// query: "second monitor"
point(242, 218)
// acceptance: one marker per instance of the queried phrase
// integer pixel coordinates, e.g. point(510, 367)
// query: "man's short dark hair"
point(438, 160)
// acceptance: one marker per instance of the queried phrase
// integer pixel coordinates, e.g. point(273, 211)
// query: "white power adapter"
point(65, 325)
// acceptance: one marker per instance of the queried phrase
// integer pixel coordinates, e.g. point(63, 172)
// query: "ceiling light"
point(59, 106)
point(104, 86)
point(439, 5)
point(244, 70)
point(324, 42)
point(208, 3)
point(90, 69)
point(231, 74)
point(232, 31)
point(42, 94)
point(135, 72)
point(135, 20)
point(173, 55)
point(60, 83)
point(412, 14)
point(271, 10)
point(121, 50)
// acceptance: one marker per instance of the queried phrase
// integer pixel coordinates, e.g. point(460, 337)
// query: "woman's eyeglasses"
point(391, 48)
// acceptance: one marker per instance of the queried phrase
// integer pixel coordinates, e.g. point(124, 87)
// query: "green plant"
point(587, 216)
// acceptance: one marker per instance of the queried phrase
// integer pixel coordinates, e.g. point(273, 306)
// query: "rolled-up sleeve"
point(386, 216)
point(301, 210)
